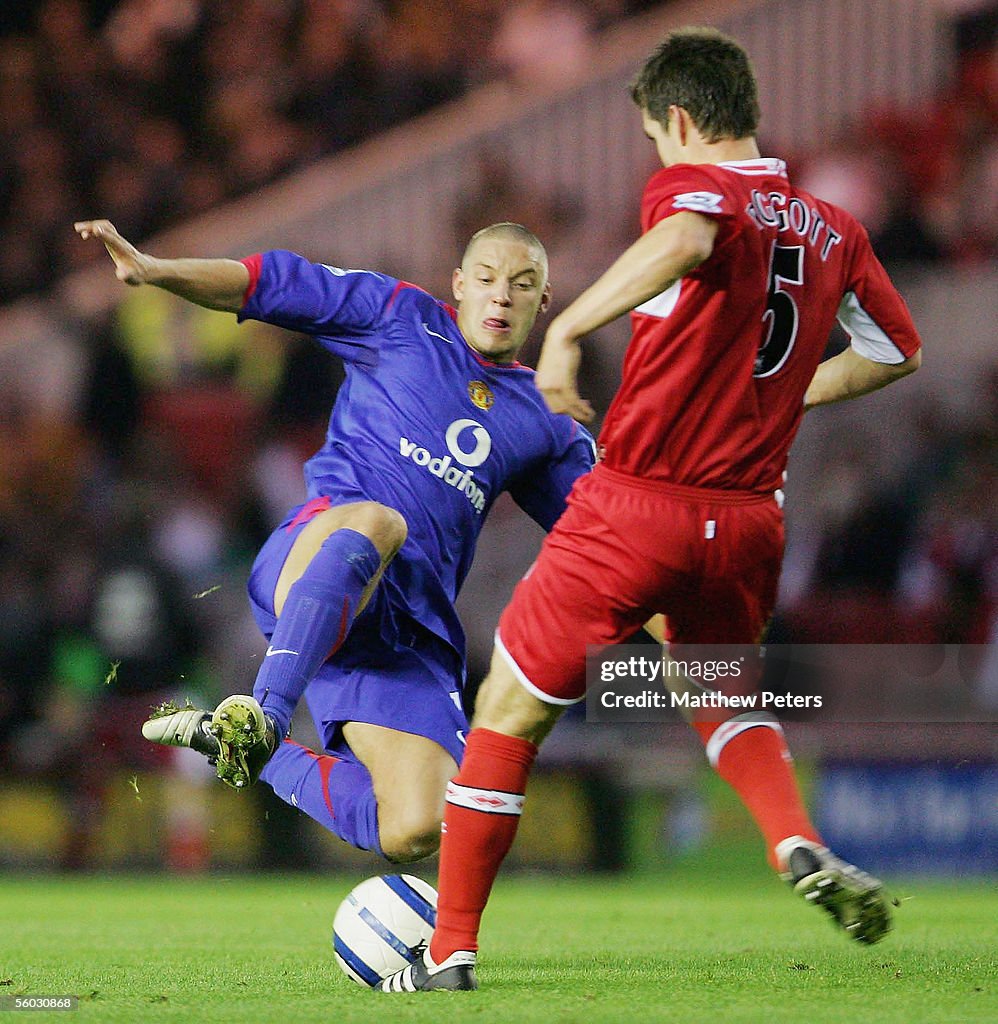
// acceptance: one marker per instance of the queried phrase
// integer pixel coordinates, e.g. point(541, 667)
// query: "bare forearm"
point(656, 260)
point(672, 248)
point(850, 375)
point(213, 283)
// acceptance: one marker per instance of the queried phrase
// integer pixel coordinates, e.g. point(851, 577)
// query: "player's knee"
point(387, 528)
point(413, 837)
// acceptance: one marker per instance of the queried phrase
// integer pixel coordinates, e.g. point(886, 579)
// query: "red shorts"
point(626, 549)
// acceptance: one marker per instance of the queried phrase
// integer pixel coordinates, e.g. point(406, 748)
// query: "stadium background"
point(147, 446)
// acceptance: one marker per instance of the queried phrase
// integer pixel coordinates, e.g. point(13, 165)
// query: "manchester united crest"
point(480, 394)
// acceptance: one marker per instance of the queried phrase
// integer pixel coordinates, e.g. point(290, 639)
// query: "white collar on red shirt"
point(764, 165)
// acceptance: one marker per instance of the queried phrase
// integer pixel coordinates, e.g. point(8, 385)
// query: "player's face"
point(500, 289)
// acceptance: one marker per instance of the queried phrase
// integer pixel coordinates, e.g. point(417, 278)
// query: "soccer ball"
point(382, 925)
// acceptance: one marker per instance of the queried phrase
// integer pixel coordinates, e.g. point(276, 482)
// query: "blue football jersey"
point(422, 423)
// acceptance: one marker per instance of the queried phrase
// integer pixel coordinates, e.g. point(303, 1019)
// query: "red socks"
point(485, 799)
point(484, 802)
point(752, 757)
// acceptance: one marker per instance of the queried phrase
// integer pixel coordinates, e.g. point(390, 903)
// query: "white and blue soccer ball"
point(382, 925)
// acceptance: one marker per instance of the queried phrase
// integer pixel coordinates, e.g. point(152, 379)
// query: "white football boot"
point(455, 974)
point(237, 737)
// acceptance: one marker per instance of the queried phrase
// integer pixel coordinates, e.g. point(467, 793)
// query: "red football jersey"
point(715, 374)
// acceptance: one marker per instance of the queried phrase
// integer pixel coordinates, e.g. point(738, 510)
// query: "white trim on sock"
point(490, 801)
point(728, 730)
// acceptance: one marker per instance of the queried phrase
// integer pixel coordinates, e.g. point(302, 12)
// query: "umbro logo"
point(703, 202)
point(488, 801)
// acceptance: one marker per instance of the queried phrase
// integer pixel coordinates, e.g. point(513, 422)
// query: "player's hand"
point(557, 376)
point(130, 265)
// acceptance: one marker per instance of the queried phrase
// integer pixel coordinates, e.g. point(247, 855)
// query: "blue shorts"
point(390, 671)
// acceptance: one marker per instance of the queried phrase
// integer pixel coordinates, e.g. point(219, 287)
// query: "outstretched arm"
point(672, 248)
point(213, 283)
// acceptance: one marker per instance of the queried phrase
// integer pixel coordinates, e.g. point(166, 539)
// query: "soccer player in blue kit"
point(355, 590)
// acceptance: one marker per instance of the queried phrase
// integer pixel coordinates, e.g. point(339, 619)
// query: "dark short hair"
point(707, 74)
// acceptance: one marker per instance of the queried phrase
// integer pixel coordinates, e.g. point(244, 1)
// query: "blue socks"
point(315, 620)
point(337, 793)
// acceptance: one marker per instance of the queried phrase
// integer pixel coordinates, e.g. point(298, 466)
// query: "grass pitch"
point(706, 941)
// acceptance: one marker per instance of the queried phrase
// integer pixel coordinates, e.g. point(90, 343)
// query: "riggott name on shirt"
point(775, 210)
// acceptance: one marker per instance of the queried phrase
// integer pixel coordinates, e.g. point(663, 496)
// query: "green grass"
point(706, 941)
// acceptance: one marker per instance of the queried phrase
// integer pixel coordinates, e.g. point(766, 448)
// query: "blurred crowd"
point(126, 533)
point(902, 549)
point(151, 111)
point(924, 181)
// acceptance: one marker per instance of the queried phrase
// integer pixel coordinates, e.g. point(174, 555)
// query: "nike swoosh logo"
point(460, 736)
point(282, 650)
point(426, 327)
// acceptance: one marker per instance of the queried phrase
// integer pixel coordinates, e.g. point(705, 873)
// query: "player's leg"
point(409, 775)
point(749, 750)
point(389, 715)
point(729, 602)
point(382, 790)
point(326, 580)
point(481, 816)
point(485, 800)
point(309, 583)
point(538, 668)
point(334, 790)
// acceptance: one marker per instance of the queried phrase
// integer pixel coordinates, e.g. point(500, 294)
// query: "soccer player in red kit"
point(735, 285)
